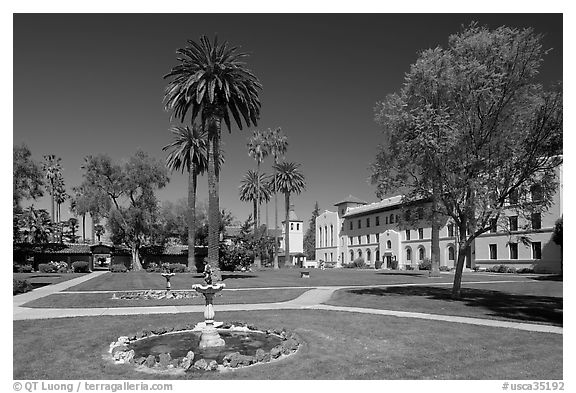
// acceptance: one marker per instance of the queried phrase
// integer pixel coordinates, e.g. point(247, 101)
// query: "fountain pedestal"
point(167, 276)
point(209, 337)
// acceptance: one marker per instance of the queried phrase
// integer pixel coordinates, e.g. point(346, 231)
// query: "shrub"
point(80, 267)
point(47, 268)
point(358, 263)
point(444, 268)
point(153, 267)
point(525, 270)
point(118, 268)
point(425, 264)
point(20, 286)
point(409, 267)
point(476, 268)
point(377, 264)
point(22, 268)
point(234, 257)
point(511, 270)
point(177, 268)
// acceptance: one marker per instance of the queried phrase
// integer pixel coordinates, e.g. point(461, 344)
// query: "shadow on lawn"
point(228, 276)
point(400, 273)
point(521, 307)
point(554, 277)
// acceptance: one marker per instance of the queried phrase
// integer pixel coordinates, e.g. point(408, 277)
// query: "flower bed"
point(122, 353)
point(155, 294)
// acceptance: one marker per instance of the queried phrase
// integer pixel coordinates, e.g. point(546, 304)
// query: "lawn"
point(276, 278)
point(38, 279)
point(537, 301)
point(85, 300)
point(336, 345)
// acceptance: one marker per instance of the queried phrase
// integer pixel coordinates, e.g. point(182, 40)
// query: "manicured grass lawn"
point(536, 301)
point(86, 300)
point(337, 345)
point(38, 279)
point(272, 278)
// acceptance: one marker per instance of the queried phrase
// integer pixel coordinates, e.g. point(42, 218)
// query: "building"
point(388, 234)
point(296, 233)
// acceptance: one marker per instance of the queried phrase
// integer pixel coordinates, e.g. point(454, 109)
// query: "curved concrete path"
point(311, 300)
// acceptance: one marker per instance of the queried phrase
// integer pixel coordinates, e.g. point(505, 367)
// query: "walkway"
point(310, 300)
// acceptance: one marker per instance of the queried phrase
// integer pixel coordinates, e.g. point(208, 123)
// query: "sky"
point(86, 84)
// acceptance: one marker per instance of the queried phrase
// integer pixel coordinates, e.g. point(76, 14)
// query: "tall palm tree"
point(288, 180)
point(188, 151)
point(278, 144)
point(80, 206)
point(213, 81)
point(254, 187)
point(52, 172)
point(258, 149)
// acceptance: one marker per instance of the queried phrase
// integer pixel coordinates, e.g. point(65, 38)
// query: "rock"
point(175, 363)
point(201, 364)
point(140, 335)
point(123, 340)
point(117, 349)
point(276, 351)
point(260, 354)
point(185, 363)
point(291, 344)
point(266, 358)
point(129, 356)
point(165, 360)
point(190, 355)
point(212, 366)
point(150, 361)
point(140, 360)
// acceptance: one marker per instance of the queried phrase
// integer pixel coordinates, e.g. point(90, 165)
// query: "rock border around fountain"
point(122, 354)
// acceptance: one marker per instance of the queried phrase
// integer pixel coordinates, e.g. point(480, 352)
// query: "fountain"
point(167, 275)
point(209, 337)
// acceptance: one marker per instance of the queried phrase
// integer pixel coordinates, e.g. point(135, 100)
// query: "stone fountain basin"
point(208, 289)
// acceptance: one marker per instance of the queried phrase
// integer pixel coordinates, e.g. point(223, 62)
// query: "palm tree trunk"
point(213, 195)
point(257, 257)
point(286, 230)
point(84, 228)
point(275, 220)
point(192, 183)
point(257, 222)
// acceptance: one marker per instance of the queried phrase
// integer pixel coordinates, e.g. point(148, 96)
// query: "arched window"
point(368, 255)
point(408, 254)
point(359, 253)
point(391, 218)
point(331, 235)
point(326, 236)
point(450, 253)
point(386, 219)
point(421, 253)
point(388, 244)
point(320, 237)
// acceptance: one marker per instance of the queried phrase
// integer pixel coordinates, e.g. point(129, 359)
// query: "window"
point(397, 218)
point(331, 235)
point(351, 255)
point(367, 239)
point(513, 250)
point(536, 193)
point(342, 227)
point(513, 197)
point(536, 221)
point(420, 233)
point(342, 257)
point(291, 226)
point(407, 215)
point(492, 225)
point(451, 230)
point(377, 220)
point(351, 239)
point(377, 238)
point(343, 211)
point(320, 237)
point(420, 213)
point(386, 219)
point(408, 254)
point(421, 253)
point(368, 255)
point(351, 225)
point(359, 253)
point(326, 236)
point(368, 223)
point(359, 224)
point(377, 255)
point(407, 234)
point(493, 251)
point(331, 256)
point(388, 244)
point(536, 250)
point(359, 240)
point(297, 227)
point(391, 218)
point(451, 253)
point(513, 223)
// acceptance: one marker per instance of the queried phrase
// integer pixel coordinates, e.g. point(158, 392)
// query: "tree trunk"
point(136, 265)
point(257, 222)
point(192, 183)
point(257, 256)
point(462, 248)
point(213, 196)
point(84, 228)
point(275, 224)
point(435, 249)
point(287, 230)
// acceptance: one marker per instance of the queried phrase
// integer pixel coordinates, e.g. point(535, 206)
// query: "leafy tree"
point(52, 169)
point(471, 128)
point(310, 236)
point(557, 238)
point(278, 144)
point(188, 152)
point(99, 230)
point(35, 226)
point(81, 204)
point(127, 199)
point(27, 180)
point(288, 180)
point(70, 228)
point(213, 81)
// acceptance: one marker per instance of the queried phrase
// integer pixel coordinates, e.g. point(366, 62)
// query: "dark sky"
point(92, 83)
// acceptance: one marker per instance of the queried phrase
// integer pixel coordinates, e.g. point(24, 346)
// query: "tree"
point(52, 172)
point(99, 230)
point(70, 226)
point(288, 180)
point(471, 124)
point(557, 238)
point(278, 144)
point(310, 236)
point(212, 81)
point(258, 149)
point(80, 205)
point(188, 152)
point(27, 180)
point(36, 227)
point(126, 197)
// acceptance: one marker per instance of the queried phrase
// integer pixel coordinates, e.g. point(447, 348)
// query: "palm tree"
point(52, 172)
point(188, 152)
point(214, 82)
point(278, 144)
point(288, 180)
point(79, 206)
point(253, 188)
point(258, 149)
